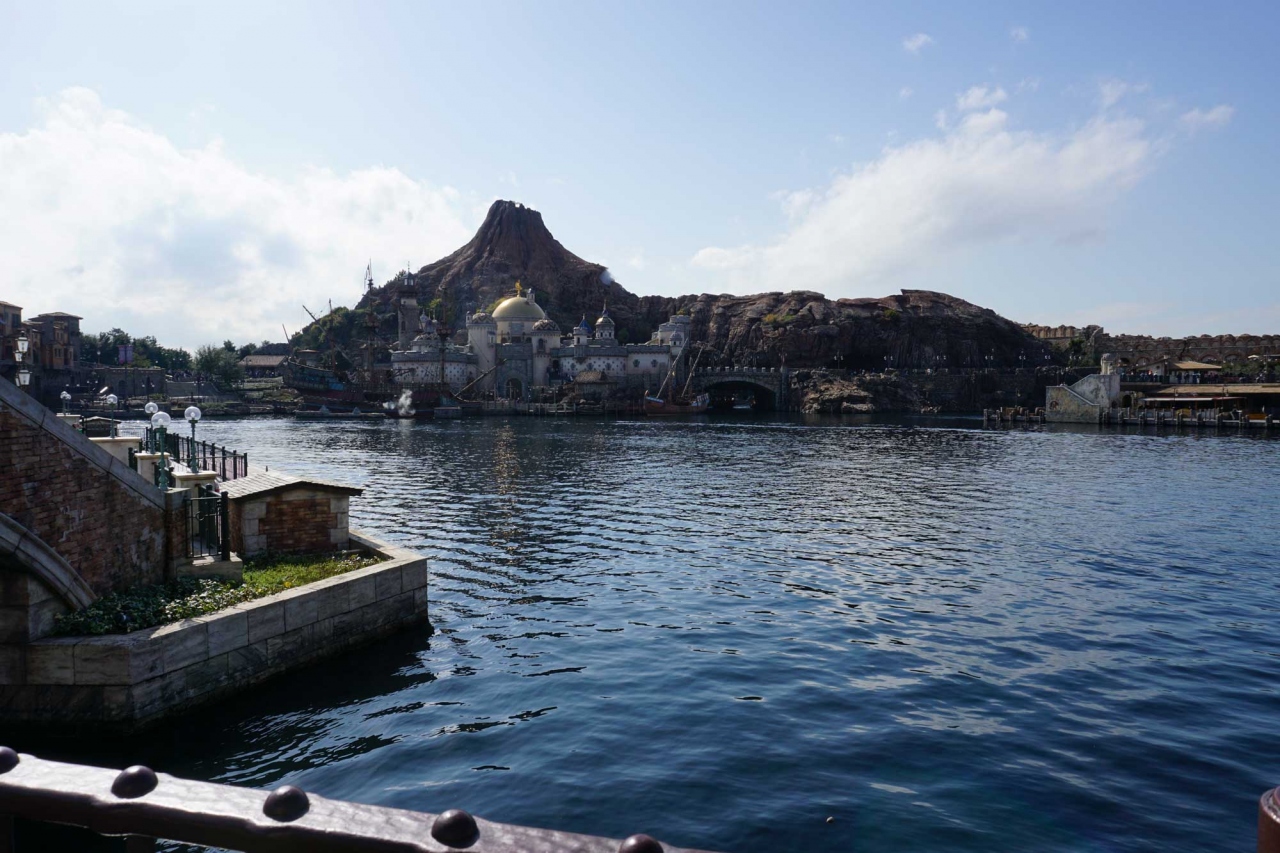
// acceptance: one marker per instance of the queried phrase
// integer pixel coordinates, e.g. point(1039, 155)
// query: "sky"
point(200, 172)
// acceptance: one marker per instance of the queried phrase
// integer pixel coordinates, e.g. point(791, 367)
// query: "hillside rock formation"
point(914, 329)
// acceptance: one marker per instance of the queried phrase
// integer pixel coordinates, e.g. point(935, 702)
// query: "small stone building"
point(283, 514)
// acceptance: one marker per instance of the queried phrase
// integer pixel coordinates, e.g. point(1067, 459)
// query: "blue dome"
point(583, 324)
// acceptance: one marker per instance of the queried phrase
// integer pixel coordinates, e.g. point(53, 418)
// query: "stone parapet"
point(118, 447)
point(128, 680)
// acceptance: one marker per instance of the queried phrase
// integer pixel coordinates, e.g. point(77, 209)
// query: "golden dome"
point(519, 308)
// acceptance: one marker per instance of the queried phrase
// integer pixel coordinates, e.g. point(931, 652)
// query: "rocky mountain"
point(914, 329)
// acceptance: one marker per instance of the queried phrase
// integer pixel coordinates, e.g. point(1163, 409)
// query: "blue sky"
point(199, 171)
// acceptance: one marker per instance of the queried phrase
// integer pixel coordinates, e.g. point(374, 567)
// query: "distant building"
point(53, 351)
point(518, 348)
point(259, 366)
point(10, 323)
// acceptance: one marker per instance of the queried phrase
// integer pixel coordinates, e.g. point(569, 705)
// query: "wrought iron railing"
point(208, 523)
point(143, 805)
point(199, 455)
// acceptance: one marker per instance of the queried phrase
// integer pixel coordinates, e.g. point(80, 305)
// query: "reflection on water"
point(724, 632)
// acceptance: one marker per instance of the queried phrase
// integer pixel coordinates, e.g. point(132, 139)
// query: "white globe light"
point(161, 419)
point(65, 395)
point(112, 399)
point(151, 408)
point(192, 413)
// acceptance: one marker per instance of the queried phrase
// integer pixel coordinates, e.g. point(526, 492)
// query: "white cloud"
point(975, 184)
point(1020, 35)
point(110, 220)
point(980, 98)
point(916, 43)
point(637, 261)
point(1027, 84)
point(1111, 92)
point(1210, 119)
point(905, 92)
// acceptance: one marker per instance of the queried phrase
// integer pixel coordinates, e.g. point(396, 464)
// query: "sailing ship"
point(681, 404)
point(321, 382)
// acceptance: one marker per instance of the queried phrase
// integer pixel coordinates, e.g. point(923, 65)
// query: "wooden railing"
point(143, 805)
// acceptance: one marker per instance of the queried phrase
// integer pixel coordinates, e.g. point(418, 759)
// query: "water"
point(723, 633)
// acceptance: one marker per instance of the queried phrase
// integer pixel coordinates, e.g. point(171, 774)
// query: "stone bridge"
point(769, 386)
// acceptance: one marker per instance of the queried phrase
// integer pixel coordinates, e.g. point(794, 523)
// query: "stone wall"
point(123, 680)
point(103, 519)
point(297, 520)
point(1083, 402)
point(1142, 350)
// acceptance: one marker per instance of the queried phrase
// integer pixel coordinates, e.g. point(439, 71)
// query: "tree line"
point(221, 364)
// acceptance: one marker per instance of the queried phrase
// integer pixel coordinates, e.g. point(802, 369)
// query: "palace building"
point(518, 347)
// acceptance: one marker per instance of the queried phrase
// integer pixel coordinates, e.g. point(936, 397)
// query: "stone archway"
point(514, 389)
point(23, 551)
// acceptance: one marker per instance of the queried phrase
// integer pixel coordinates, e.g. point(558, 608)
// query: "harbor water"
point(789, 635)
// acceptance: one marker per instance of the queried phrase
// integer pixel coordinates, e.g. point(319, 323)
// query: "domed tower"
point(604, 326)
point(482, 337)
point(582, 333)
point(546, 337)
point(516, 315)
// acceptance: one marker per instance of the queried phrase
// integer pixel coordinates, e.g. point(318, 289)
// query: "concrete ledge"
point(130, 680)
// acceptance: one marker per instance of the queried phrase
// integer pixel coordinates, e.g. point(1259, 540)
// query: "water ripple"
point(725, 632)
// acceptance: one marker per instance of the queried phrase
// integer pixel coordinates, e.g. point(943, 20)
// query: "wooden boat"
point(673, 404)
point(692, 406)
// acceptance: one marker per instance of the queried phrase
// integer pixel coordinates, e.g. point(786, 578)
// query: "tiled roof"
point(262, 482)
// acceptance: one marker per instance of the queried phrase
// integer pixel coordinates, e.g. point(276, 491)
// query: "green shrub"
point(160, 604)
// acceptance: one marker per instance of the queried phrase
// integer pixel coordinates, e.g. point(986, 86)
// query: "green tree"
point(218, 364)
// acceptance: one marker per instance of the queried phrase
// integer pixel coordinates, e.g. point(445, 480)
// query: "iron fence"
point(208, 523)
point(143, 805)
point(199, 455)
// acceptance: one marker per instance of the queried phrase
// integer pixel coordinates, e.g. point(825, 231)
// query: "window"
point(655, 362)
point(636, 363)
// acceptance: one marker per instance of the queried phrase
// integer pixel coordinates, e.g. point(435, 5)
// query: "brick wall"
point(301, 520)
point(98, 515)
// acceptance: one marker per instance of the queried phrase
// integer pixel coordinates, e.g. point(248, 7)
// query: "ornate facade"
point(518, 348)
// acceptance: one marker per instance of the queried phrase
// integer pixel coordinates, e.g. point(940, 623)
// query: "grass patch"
point(160, 604)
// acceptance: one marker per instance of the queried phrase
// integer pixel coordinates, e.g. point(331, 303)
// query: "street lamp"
point(112, 401)
point(160, 423)
point(24, 375)
point(65, 397)
point(192, 414)
point(151, 408)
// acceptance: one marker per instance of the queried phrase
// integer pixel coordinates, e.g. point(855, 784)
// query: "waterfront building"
point(518, 348)
point(428, 355)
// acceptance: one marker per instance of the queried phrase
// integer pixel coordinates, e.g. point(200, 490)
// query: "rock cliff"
point(914, 329)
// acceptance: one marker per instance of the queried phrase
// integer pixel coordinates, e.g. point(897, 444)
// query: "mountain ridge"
point(800, 328)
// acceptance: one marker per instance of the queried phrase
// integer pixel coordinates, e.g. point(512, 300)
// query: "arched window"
point(636, 363)
point(655, 362)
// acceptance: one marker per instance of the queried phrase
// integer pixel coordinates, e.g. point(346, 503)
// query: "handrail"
point(145, 805)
